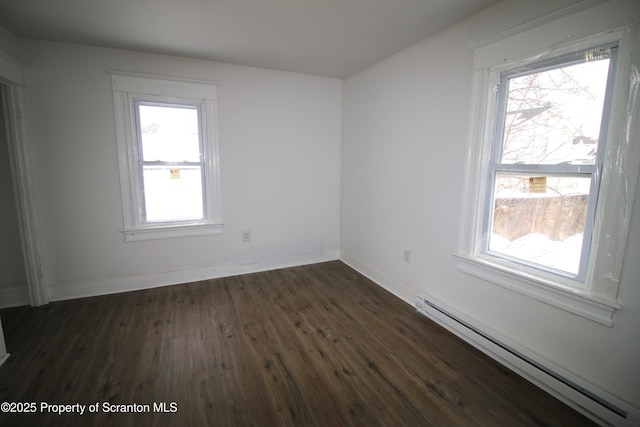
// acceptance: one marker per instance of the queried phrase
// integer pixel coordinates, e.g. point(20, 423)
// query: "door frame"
point(12, 96)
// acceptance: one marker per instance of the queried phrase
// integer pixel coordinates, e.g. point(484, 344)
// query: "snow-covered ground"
point(539, 249)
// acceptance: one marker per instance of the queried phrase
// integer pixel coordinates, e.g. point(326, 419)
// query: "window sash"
point(170, 196)
point(201, 164)
point(609, 51)
point(587, 232)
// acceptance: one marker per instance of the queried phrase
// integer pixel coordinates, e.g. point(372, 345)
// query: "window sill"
point(572, 300)
point(171, 231)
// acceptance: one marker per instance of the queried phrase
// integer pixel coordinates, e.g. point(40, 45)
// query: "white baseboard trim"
point(153, 280)
point(14, 296)
point(586, 398)
point(391, 284)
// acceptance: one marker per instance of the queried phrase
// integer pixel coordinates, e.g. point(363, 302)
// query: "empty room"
point(320, 213)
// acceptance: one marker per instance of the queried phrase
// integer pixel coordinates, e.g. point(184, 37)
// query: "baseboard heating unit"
point(597, 405)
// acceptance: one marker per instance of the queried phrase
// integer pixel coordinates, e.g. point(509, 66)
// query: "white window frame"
point(593, 296)
point(128, 89)
point(555, 170)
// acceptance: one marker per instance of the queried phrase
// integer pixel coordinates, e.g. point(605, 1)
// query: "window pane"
point(169, 133)
point(540, 219)
point(172, 194)
point(554, 116)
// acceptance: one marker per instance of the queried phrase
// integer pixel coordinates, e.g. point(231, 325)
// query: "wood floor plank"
point(317, 345)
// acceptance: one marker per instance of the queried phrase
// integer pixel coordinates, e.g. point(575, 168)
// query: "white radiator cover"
point(596, 404)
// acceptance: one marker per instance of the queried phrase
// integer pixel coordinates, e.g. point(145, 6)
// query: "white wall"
point(279, 141)
point(404, 143)
point(9, 45)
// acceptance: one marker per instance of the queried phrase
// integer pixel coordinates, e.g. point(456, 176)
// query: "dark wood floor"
point(317, 345)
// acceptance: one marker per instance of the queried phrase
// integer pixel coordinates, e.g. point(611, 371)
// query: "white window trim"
point(128, 87)
point(596, 299)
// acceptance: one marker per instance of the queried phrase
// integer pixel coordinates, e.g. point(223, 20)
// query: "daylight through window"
point(171, 161)
point(546, 160)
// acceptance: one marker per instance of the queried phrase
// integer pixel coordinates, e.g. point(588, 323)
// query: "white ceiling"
point(333, 38)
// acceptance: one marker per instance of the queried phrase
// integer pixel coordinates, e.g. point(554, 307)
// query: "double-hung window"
point(168, 156)
point(546, 160)
point(552, 167)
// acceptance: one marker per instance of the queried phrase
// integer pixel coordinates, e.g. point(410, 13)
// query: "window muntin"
point(171, 161)
point(546, 160)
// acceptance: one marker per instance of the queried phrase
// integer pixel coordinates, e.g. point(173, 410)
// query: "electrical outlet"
point(407, 255)
point(246, 236)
